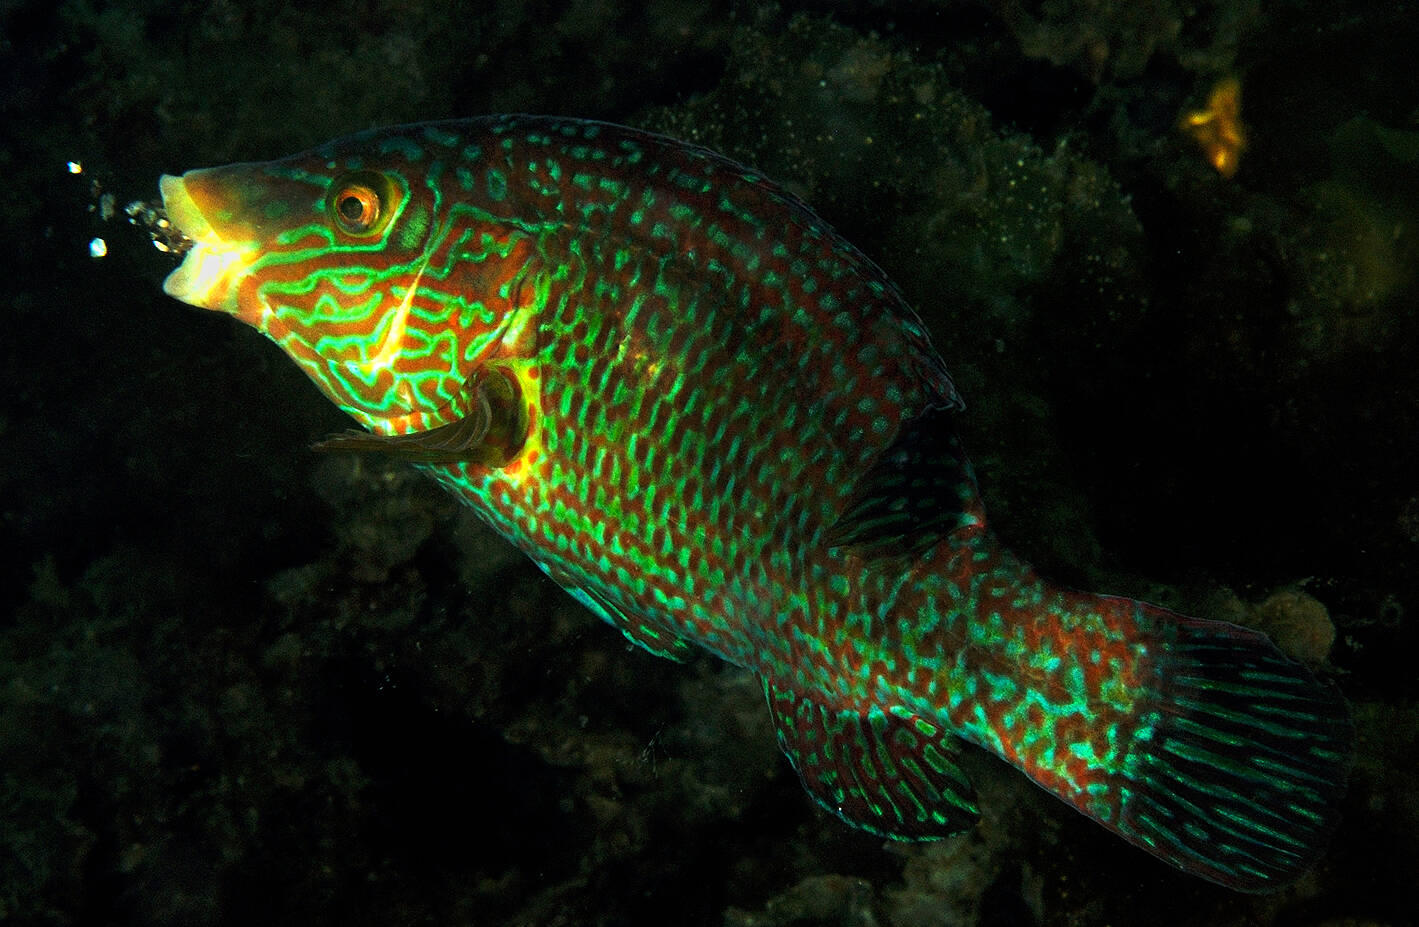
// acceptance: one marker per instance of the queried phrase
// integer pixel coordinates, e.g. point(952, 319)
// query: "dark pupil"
point(352, 208)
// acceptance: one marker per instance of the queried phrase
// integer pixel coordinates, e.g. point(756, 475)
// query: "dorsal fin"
point(920, 489)
point(491, 432)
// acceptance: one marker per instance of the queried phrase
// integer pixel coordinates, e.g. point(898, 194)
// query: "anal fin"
point(893, 775)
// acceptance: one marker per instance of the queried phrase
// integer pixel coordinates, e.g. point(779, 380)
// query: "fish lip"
point(184, 215)
point(208, 269)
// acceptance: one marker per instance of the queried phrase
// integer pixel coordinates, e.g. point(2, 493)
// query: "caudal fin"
point(1239, 759)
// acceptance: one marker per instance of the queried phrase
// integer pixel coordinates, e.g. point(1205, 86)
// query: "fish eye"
point(361, 203)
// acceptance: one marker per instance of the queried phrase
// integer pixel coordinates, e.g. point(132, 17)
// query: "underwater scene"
point(890, 463)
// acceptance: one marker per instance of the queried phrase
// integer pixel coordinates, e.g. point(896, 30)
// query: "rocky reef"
point(243, 683)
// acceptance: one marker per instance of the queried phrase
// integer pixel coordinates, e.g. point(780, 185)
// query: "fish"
point(717, 424)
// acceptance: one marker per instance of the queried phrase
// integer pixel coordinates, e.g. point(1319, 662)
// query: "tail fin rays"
point(1239, 761)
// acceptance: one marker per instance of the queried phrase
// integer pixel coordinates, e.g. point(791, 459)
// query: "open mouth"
point(153, 218)
point(210, 264)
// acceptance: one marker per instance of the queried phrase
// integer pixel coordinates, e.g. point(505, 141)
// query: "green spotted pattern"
point(741, 439)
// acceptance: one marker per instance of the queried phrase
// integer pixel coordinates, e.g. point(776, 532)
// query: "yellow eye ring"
point(361, 204)
point(358, 209)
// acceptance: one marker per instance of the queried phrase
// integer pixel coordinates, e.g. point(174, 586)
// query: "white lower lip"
point(209, 268)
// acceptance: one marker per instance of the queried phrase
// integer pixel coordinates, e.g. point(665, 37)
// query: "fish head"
point(343, 256)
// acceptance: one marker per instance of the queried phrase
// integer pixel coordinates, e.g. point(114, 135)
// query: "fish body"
point(717, 424)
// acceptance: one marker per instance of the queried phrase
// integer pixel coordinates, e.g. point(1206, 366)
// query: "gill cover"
point(362, 277)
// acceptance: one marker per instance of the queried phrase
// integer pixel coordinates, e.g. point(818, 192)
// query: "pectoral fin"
point(490, 432)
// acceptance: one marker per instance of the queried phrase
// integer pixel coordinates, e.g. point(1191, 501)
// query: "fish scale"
point(717, 424)
point(675, 444)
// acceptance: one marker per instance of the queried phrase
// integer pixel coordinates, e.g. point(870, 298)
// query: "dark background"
point(244, 683)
